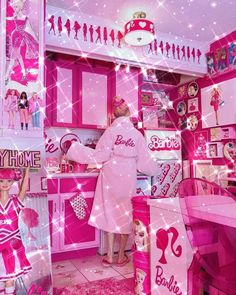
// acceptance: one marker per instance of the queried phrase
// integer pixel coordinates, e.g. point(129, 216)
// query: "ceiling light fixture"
point(139, 31)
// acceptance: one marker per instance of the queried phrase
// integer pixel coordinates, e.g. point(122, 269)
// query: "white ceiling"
point(203, 20)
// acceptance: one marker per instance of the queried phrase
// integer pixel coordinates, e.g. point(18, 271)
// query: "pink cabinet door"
point(54, 221)
point(64, 98)
point(95, 96)
point(76, 233)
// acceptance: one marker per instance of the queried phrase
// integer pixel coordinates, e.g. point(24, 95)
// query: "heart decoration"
point(142, 24)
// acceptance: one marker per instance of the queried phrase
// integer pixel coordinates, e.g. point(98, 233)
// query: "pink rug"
point(102, 287)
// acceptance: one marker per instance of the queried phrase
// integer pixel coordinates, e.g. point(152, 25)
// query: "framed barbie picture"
point(211, 67)
point(203, 169)
point(193, 105)
point(147, 98)
point(221, 59)
point(217, 103)
point(214, 150)
point(193, 89)
point(232, 54)
point(200, 144)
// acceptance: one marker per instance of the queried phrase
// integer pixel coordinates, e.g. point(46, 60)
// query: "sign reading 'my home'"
point(17, 159)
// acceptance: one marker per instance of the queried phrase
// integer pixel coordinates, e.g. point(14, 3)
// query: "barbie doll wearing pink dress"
point(13, 260)
point(215, 102)
point(122, 150)
point(21, 37)
point(11, 106)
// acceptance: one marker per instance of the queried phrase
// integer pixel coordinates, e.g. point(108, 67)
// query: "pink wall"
point(188, 148)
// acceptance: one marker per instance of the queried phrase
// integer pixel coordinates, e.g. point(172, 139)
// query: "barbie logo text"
point(120, 140)
point(166, 144)
point(171, 284)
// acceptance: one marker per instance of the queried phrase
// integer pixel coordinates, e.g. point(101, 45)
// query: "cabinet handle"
point(62, 206)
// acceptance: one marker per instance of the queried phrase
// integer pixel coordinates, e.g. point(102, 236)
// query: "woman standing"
point(122, 150)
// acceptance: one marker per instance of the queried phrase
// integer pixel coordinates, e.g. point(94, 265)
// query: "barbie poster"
point(24, 232)
point(217, 102)
point(23, 99)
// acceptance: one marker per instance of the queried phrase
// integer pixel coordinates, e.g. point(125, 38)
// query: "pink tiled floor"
point(89, 269)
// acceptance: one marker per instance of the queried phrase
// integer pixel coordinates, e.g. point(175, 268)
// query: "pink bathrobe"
point(122, 150)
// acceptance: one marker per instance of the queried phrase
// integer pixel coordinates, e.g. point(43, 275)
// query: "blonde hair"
point(118, 107)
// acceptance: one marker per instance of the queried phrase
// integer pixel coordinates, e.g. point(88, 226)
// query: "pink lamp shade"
point(139, 31)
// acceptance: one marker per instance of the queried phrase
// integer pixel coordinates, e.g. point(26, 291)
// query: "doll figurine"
point(21, 37)
point(34, 108)
point(215, 102)
point(11, 106)
point(23, 106)
point(15, 263)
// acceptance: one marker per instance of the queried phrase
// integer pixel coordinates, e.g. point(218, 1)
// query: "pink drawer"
point(52, 186)
point(73, 184)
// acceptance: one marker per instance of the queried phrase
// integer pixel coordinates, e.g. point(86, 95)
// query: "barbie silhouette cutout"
point(140, 236)
point(112, 36)
point(155, 46)
point(150, 48)
point(85, 30)
point(183, 53)
point(59, 25)
point(188, 53)
point(167, 49)
point(91, 33)
point(68, 28)
point(139, 280)
point(216, 102)
point(232, 54)
point(162, 242)
point(11, 106)
point(76, 28)
point(24, 45)
point(199, 53)
point(98, 31)
point(161, 47)
point(173, 50)
point(193, 54)
point(52, 23)
point(119, 38)
point(178, 52)
point(105, 35)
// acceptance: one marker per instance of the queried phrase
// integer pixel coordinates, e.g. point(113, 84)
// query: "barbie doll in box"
point(13, 260)
point(22, 37)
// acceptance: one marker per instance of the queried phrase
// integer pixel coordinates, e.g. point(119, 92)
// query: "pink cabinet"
point(95, 96)
point(68, 233)
point(62, 94)
point(78, 95)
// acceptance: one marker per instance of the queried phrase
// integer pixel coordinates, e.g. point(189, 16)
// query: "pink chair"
point(214, 245)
